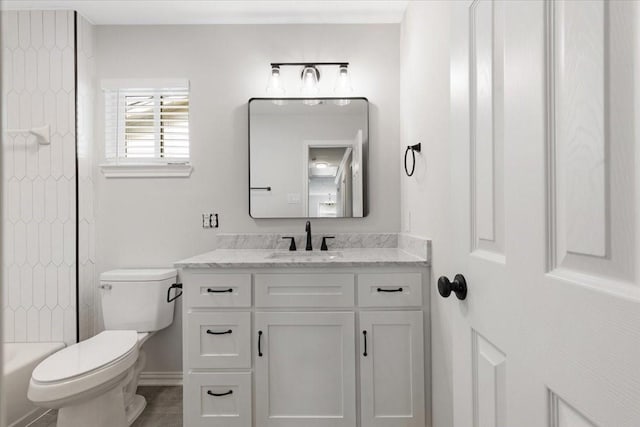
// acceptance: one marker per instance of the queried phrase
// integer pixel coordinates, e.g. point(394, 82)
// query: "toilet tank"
point(136, 299)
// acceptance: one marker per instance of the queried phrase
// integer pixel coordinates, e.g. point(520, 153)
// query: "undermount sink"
point(307, 255)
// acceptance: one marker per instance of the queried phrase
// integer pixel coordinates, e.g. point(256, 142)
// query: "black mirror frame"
point(365, 155)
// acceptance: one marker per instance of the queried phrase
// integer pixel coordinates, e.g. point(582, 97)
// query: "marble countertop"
point(261, 258)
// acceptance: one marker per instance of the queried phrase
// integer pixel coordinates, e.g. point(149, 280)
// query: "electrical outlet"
point(209, 220)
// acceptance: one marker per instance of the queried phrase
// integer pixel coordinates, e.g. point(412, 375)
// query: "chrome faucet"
point(307, 228)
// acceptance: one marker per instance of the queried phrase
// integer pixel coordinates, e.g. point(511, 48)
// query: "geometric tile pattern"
point(86, 245)
point(39, 229)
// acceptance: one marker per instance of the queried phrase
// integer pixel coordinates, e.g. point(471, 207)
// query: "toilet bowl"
point(93, 383)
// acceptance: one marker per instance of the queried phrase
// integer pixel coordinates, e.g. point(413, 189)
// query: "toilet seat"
point(84, 366)
point(143, 337)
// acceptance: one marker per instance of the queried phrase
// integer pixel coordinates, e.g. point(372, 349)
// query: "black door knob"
point(458, 286)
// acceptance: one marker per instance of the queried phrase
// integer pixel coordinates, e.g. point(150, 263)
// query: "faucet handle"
point(324, 247)
point(292, 246)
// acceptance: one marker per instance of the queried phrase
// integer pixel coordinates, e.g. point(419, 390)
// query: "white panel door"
point(546, 202)
point(356, 176)
point(305, 369)
point(392, 369)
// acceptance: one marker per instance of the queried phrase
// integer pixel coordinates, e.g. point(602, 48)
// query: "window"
point(146, 128)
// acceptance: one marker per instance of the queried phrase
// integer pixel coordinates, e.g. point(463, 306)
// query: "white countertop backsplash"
point(276, 241)
point(354, 249)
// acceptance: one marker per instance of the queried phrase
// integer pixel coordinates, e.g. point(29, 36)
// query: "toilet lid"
point(78, 359)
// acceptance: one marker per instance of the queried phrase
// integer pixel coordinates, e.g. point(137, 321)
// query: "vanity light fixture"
point(343, 82)
point(310, 77)
point(275, 87)
point(343, 86)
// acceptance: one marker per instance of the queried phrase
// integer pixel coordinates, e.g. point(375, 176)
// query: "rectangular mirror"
point(308, 157)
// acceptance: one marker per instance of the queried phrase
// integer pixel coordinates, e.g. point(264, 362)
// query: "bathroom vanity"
point(313, 339)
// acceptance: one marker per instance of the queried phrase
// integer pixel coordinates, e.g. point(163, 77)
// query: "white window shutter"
point(146, 125)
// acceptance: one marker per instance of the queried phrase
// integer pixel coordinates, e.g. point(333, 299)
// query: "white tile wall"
point(86, 252)
point(39, 229)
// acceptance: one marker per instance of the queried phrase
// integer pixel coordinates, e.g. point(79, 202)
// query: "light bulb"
point(310, 78)
point(343, 82)
point(275, 87)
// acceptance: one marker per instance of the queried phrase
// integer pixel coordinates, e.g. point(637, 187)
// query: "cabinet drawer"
point(219, 340)
point(390, 290)
point(219, 399)
point(219, 290)
point(304, 290)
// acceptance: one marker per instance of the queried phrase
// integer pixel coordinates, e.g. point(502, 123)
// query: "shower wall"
point(86, 86)
point(39, 229)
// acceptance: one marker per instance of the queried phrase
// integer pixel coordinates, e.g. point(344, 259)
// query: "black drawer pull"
point(209, 331)
point(259, 343)
point(210, 393)
point(219, 291)
point(364, 334)
point(389, 290)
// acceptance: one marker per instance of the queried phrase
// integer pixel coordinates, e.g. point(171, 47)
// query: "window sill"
point(178, 170)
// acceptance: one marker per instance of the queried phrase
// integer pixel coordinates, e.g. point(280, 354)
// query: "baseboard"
point(30, 418)
point(160, 378)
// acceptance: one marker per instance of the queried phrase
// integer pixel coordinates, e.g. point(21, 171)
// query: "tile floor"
point(164, 409)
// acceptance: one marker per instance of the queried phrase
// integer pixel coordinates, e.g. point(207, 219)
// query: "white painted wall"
point(154, 222)
point(2, 282)
point(424, 116)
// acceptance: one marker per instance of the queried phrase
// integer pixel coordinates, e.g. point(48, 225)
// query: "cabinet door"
point(305, 369)
point(392, 369)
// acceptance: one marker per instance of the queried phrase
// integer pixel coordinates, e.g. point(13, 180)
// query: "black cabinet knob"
point(458, 286)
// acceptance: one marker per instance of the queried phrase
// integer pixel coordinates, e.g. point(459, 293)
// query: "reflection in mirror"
point(307, 159)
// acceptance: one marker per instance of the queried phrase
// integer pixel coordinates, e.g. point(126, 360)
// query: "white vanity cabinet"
point(285, 347)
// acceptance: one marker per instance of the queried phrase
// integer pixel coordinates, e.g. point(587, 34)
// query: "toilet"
point(93, 383)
